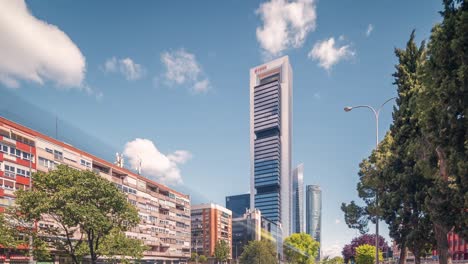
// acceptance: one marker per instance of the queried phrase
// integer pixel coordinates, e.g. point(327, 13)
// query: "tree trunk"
point(417, 256)
point(441, 233)
point(417, 259)
point(74, 259)
point(403, 254)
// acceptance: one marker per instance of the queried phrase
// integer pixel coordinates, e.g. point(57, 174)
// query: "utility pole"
point(31, 258)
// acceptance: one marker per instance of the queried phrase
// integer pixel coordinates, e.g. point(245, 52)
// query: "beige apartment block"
point(164, 212)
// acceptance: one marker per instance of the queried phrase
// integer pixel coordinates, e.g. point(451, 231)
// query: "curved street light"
point(376, 114)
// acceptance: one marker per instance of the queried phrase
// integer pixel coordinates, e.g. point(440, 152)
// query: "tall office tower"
point(270, 141)
point(238, 204)
point(314, 212)
point(298, 199)
point(210, 224)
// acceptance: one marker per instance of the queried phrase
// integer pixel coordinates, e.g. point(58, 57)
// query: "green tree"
point(117, 243)
point(365, 254)
point(335, 260)
point(88, 211)
point(202, 259)
point(405, 184)
point(193, 256)
point(390, 170)
point(259, 252)
point(300, 248)
point(221, 251)
point(14, 232)
point(8, 233)
point(442, 114)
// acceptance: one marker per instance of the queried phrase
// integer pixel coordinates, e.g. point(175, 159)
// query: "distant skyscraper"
point(270, 141)
point(314, 212)
point(238, 204)
point(298, 199)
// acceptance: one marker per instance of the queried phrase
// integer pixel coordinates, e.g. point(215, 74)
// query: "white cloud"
point(369, 30)
point(35, 51)
point(285, 24)
point(201, 86)
point(162, 168)
point(180, 156)
point(127, 67)
point(317, 95)
point(337, 221)
point(182, 68)
point(328, 54)
point(333, 250)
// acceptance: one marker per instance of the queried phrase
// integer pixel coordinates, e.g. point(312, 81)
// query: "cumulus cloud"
point(35, 51)
point(328, 54)
point(369, 30)
point(180, 156)
point(163, 168)
point(333, 250)
point(182, 68)
point(127, 67)
point(285, 24)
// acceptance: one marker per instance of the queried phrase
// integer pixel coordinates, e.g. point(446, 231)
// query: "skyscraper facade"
point(298, 199)
point(238, 204)
point(270, 140)
point(314, 212)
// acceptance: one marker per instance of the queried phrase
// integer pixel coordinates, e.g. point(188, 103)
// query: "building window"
point(47, 163)
point(4, 148)
point(22, 172)
point(58, 155)
point(85, 163)
point(10, 171)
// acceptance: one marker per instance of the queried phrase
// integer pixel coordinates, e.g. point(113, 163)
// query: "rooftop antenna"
point(119, 160)
point(56, 127)
point(139, 166)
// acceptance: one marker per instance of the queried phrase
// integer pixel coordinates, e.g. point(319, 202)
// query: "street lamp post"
point(376, 114)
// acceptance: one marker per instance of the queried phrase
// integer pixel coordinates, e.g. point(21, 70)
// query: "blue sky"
point(177, 73)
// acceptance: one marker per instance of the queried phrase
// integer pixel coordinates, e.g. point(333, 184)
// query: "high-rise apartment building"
point(210, 223)
point(314, 212)
point(270, 141)
point(298, 199)
point(238, 204)
point(164, 212)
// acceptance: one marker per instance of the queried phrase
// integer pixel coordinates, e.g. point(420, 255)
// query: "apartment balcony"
point(151, 243)
point(166, 254)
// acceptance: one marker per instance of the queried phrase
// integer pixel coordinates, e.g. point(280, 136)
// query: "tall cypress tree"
point(405, 186)
point(442, 114)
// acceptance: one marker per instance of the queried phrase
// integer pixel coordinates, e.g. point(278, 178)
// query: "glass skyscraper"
point(270, 141)
point(314, 212)
point(238, 204)
point(298, 199)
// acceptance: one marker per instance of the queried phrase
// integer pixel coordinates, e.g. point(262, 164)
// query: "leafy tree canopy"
point(81, 204)
point(300, 248)
point(365, 254)
point(221, 251)
point(259, 252)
